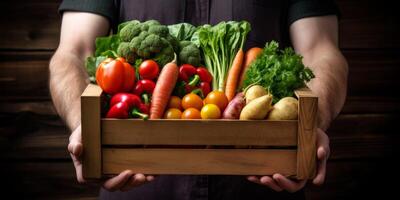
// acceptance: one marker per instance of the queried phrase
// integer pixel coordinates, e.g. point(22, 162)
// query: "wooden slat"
point(200, 161)
point(368, 24)
point(24, 75)
point(357, 179)
point(32, 24)
point(37, 107)
point(371, 105)
point(44, 180)
point(306, 136)
point(199, 132)
point(373, 72)
point(91, 135)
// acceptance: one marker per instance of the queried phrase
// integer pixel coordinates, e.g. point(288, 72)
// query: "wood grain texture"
point(32, 24)
point(200, 161)
point(41, 179)
point(91, 135)
point(306, 146)
point(199, 132)
point(24, 75)
point(368, 24)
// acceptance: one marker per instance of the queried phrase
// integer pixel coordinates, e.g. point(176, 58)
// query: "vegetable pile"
point(150, 71)
point(280, 71)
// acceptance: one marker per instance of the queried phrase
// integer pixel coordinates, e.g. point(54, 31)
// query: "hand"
point(279, 182)
point(124, 181)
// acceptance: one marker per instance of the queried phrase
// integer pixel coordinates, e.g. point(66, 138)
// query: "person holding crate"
point(310, 26)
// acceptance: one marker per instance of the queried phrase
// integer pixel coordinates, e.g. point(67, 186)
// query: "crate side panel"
point(200, 161)
point(199, 132)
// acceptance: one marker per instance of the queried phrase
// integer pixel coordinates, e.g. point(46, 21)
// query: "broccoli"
point(125, 51)
point(159, 30)
point(147, 24)
point(189, 53)
point(148, 40)
point(148, 45)
point(163, 31)
point(129, 31)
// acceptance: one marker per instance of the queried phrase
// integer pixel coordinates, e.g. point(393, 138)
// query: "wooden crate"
point(113, 145)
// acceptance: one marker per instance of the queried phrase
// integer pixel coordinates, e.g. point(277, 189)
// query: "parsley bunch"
point(279, 71)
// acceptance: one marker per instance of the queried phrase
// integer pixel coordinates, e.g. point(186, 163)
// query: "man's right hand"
point(124, 181)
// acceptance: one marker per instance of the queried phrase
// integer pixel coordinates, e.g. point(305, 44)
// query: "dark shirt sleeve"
point(309, 8)
point(105, 8)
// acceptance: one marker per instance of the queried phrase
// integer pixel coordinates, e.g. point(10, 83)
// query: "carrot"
point(233, 76)
point(162, 92)
point(251, 55)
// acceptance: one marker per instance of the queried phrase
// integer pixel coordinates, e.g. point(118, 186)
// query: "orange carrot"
point(251, 55)
point(162, 92)
point(233, 76)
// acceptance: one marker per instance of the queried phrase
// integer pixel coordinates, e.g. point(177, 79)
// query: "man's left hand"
point(279, 182)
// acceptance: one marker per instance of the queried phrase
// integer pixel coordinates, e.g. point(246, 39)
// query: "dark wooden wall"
point(34, 160)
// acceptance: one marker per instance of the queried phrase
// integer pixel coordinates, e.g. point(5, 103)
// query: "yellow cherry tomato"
point(210, 111)
point(173, 113)
point(192, 101)
point(175, 102)
point(218, 98)
point(191, 113)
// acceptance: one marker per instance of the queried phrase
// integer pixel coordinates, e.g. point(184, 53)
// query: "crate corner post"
point(307, 137)
point(91, 132)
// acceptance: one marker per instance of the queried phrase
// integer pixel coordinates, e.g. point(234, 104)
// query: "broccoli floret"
point(125, 51)
point(173, 41)
point(159, 30)
point(151, 44)
point(189, 53)
point(130, 31)
point(148, 45)
point(136, 41)
point(147, 24)
point(148, 40)
point(165, 56)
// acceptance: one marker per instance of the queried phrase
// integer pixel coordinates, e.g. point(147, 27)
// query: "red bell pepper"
point(144, 89)
point(192, 78)
point(124, 105)
point(114, 76)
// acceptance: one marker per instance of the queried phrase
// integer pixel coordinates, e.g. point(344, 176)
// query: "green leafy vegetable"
point(91, 66)
point(109, 43)
point(219, 45)
point(280, 71)
point(182, 31)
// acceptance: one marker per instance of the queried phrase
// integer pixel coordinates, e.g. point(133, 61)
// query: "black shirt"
point(269, 19)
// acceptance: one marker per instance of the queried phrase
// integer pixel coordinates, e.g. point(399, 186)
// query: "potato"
point(284, 109)
point(232, 111)
point(257, 109)
point(254, 92)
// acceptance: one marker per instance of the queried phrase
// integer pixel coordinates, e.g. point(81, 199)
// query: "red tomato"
point(149, 69)
point(114, 76)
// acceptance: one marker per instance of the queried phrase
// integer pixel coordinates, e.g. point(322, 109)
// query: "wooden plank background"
point(33, 140)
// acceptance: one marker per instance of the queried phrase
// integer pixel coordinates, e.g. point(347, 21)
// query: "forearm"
point(68, 79)
point(330, 83)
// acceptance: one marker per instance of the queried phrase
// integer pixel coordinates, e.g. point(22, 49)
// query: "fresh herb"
point(279, 71)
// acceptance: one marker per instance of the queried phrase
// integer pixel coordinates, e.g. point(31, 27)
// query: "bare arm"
point(316, 39)
point(68, 78)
